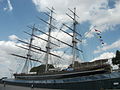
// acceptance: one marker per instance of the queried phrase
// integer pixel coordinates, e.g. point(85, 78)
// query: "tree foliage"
point(41, 68)
point(116, 59)
point(76, 64)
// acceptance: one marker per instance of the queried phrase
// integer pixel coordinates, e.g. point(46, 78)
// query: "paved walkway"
point(11, 87)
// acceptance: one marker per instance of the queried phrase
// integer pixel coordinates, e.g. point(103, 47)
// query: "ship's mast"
point(28, 62)
point(74, 42)
point(74, 36)
point(49, 40)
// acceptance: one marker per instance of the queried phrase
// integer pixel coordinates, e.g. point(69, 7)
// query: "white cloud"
point(106, 55)
point(96, 11)
point(9, 62)
point(6, 47)
point(104, 19)
point(109, 16)
point(83, 7)
point(13, 37)
point(108, 47)
point(9, 6)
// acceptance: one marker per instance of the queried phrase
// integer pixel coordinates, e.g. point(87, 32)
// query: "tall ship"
point(95, 75)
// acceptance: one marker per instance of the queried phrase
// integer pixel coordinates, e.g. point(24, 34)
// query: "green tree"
point(41, 68)
point(76, 64)
point(116, 60)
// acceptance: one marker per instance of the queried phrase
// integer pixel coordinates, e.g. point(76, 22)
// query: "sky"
point(16, 15)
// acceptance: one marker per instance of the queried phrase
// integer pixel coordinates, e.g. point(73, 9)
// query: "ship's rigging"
point(37, 49)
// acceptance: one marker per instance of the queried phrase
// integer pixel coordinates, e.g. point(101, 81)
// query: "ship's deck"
point(61, 75)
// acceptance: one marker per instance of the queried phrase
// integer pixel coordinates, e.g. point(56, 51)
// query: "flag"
point(102, 42)
point(97, 31)
point(100, 37)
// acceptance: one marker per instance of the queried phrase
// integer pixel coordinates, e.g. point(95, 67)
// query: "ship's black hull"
point(92, 82)
point(90, 85)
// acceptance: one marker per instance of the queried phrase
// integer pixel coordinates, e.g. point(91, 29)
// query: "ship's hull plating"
point(92, 82)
